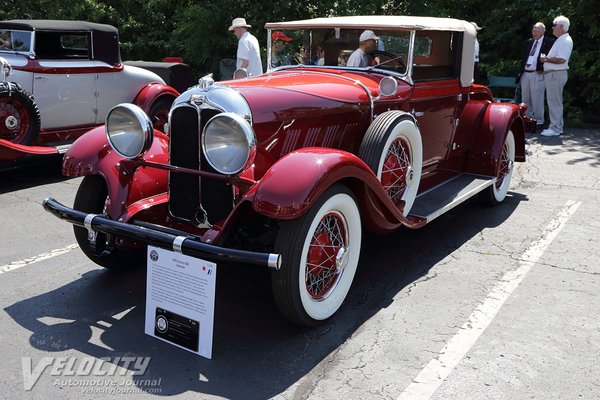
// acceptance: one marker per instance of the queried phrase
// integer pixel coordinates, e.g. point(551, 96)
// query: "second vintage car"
point(60, 79)
point(286, 169)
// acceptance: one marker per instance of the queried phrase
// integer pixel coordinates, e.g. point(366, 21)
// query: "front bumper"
point(166, 238)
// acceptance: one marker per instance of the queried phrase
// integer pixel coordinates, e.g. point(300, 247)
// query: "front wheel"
point(496, 193)
point(320, 252)
point(92, 197)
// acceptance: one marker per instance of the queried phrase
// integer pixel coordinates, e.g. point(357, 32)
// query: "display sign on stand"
point(180, 300)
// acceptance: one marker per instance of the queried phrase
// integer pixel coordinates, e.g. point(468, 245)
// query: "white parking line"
point(32, 260)
point(431, 377)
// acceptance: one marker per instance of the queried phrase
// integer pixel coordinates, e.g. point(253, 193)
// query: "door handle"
point(40, 77)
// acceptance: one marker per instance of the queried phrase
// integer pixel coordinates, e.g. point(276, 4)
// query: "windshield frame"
point(406, 76)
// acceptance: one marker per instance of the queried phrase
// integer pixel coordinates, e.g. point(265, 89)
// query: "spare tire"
point(19, 115)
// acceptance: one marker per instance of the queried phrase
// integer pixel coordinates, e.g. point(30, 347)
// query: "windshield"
point(15, 40)
point(336, 47)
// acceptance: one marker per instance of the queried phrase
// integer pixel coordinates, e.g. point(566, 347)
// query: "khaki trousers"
point(532, 94)
point(555, 83)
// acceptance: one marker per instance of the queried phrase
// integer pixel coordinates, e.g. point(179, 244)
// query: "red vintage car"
point(60, 79)
point(285, 169)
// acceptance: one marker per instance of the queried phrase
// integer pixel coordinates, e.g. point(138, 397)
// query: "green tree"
point(197, 31)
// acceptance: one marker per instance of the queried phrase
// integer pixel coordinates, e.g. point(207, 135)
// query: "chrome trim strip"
point(274, 261)
point(87, 222)
point(409, 61)
point(178, 242)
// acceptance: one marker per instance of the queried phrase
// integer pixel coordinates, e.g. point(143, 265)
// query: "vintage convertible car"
point(66, 76)
point(285, 169)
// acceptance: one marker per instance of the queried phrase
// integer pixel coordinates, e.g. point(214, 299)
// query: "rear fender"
point(152, 92)
point(498, 119)
point(92, 155)
point(292, 185)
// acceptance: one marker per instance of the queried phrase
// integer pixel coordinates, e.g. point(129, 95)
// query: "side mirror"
point(240, 73)
point(388, 86)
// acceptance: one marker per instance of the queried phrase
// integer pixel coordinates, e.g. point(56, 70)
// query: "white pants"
point(532, 94)
point(555, 83)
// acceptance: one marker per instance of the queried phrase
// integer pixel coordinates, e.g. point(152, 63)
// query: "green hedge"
point(197, 31)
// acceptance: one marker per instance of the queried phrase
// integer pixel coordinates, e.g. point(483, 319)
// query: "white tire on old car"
point(320, 253)
point(393, 150)
point(497, 192)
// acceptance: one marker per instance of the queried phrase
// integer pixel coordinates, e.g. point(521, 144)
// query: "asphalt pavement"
point(483, 303)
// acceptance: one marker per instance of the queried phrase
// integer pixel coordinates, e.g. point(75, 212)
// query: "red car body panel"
point(280, 196)
point(91, 154)
point(497, 120)
point(34, 66)
point(152, 92)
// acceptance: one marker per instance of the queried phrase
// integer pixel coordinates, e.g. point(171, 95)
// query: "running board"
point(443, 198)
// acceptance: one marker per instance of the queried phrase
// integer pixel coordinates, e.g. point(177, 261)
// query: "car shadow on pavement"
point(574, 140)
point(256, 352)
point(40, 171)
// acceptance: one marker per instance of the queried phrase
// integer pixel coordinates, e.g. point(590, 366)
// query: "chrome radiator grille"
point(191, 198)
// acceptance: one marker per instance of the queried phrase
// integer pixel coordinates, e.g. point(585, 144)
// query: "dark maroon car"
point(287, 169)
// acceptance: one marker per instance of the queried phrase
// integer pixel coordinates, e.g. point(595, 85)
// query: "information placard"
point(180, 300)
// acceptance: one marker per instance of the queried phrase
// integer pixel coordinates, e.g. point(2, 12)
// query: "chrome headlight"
point(228, 143)
point(129, 130)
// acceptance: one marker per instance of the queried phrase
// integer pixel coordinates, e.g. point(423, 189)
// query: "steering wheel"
point(391, 58)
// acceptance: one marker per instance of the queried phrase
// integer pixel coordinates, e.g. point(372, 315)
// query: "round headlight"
point(228, 143)
point(129, 130)
point(388, 86)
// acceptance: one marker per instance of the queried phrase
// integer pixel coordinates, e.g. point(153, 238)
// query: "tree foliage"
point(197, 31)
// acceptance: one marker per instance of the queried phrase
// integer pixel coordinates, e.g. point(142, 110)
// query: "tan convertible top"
point(401, 23)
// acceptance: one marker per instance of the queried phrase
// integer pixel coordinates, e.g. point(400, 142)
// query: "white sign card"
point(180, 300)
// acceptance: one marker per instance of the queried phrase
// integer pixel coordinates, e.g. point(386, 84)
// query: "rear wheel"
point(392, 149)
point(92, 197)
point(496, 193)
point(320, 252)
point(19, 115)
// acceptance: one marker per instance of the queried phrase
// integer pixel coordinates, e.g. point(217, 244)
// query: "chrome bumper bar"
point(169, 239)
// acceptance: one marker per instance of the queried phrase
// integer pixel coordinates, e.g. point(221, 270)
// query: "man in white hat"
point(367, 42)
point(248, 52)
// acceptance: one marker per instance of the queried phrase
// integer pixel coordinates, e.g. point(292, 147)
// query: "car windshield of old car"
point(337, 47)
point(14, 40)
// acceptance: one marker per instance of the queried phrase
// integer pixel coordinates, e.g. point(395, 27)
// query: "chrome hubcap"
point(11, 122)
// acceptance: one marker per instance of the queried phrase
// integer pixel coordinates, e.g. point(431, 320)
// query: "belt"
point(528, 71)
point(555, 70)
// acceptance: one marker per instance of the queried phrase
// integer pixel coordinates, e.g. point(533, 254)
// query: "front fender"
point(151, 92)
point(92, 155)
point(498, 119)
point(295, 182)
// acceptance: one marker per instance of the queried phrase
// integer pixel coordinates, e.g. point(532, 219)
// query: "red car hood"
point(288, 89)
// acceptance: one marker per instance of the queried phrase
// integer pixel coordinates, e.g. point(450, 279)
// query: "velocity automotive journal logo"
point(69, 371)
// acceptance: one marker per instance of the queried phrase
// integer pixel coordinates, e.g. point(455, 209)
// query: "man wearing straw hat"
point(248, 52)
